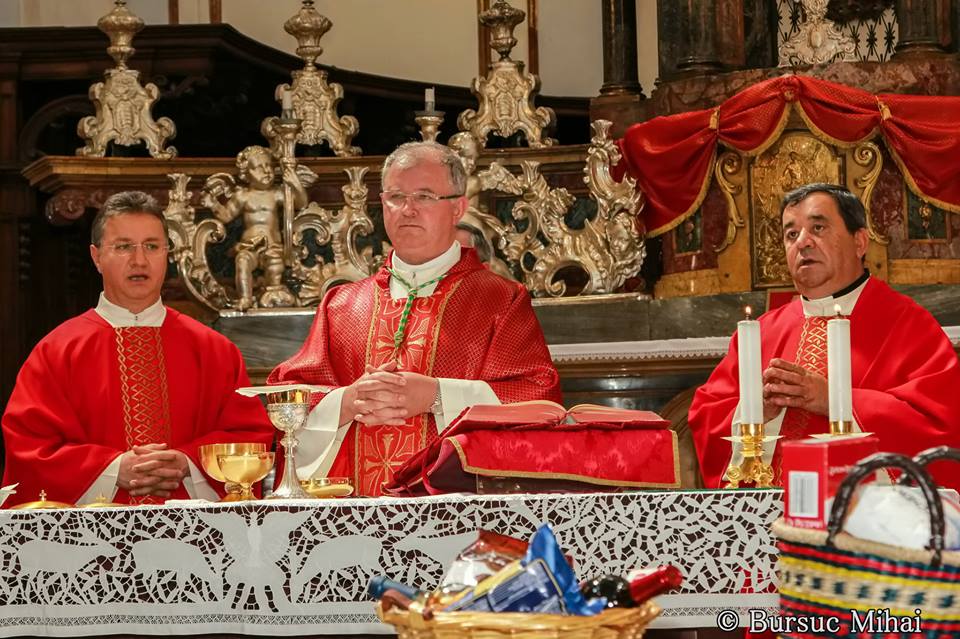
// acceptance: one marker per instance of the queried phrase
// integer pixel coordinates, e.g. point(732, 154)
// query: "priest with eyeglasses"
point(114, 403)
point(406, 350)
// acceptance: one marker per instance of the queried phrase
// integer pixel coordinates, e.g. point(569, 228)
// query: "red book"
point(545, 414)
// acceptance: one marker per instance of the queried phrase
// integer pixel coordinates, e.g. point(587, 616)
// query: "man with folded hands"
point(905, 373)
point(410, 347)
point(115, 402)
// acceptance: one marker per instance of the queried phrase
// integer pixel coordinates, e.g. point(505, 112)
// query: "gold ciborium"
point(245, 469)
point(208, 458)
point(288, 410)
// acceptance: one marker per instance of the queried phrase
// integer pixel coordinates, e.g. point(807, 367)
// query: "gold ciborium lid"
point(285, 393)
point(101, 502)
point(43, 502)
point(325, 487)
point(210, 452)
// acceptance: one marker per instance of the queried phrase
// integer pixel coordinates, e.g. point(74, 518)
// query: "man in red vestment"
point(116, 402)
point(409, 348)
point(905, 372)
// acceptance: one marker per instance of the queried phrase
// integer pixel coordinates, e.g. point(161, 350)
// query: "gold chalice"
point(208, 458)
point(245, 469)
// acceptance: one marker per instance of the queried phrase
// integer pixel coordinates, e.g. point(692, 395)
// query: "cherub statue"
point(486, 224)
point(260, 201)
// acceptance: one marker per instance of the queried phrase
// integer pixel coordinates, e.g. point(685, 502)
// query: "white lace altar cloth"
point(300, 568)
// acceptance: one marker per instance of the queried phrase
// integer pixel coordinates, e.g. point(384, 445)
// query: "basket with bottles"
point(502, 587)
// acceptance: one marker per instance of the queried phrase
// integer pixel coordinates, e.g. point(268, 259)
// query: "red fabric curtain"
point(670, 157)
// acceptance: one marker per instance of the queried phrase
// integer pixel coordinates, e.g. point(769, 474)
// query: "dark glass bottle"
point(643, 585)
point(614, 588)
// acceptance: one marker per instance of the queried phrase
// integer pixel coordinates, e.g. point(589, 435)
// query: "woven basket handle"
point(929, 456)
point(909, 467)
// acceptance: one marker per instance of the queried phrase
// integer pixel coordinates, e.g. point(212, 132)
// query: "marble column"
point(698, 37)
point(621, 98)
point(918, 22)
point(619, 48)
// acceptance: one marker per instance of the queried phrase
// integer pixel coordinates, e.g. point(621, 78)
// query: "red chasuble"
point(476, 325)
point(906, 381)
point(88, 392)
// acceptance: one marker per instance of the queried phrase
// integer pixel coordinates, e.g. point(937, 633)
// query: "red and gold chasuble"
point(379, 450)
point(811, 356)
point(905, 373)
point(89, 392)
point(475, 326)
point(143, 389)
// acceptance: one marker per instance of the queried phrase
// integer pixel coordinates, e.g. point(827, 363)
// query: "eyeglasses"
point(129, 248)
point(395, 200)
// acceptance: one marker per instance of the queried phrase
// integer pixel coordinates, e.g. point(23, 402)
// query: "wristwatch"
point(437, 406)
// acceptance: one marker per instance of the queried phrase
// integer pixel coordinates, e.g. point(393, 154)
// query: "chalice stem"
point(289, 487)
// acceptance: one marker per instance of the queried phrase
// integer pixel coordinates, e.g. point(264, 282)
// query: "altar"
point(301, 567)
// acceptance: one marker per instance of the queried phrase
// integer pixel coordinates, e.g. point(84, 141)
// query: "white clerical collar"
point(119, 317)
point(418, 273)
point(826, 306)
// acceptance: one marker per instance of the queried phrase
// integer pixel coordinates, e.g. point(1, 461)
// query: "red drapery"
point(670, 157)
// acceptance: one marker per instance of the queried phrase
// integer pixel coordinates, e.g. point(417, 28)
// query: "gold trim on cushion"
point(491, 472)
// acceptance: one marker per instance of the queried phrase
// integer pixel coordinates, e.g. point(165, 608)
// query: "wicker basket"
point(613, 623)
point(831, 574)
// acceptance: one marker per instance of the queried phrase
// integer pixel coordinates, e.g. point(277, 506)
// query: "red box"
point(812, 472)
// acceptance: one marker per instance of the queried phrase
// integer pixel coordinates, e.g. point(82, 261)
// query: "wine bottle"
point(649, 582)
point(614, 588)
point(642, 585)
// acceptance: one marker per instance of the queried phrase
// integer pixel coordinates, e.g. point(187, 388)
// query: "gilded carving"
point(260, 204)
point(868, 156)
point(506, 93)
point(492, 179)
point(266, 276)
point(818, 39)
point(123, 106)
point(795, 160)
point(313, 100)
point(609, 248)
point(341, 230)
point(726, 172)
point(189, 240)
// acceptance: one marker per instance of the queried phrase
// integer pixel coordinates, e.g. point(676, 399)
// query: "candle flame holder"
point(752, 469)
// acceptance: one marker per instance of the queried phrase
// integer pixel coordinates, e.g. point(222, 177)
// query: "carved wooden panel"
point(796, 159)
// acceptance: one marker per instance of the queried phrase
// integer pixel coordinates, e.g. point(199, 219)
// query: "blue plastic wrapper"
point(542, 582)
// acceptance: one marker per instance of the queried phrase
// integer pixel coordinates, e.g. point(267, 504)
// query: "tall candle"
point(838, 369)
point(751, 376)
point(286, 101)
point(429, 99)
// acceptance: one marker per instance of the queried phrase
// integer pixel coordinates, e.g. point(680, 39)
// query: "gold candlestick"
point(752, 469)
point(429, 122)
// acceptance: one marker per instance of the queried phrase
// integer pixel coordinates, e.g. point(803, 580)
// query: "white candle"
point(751, 375)
point(286, 100)
point(838, 369)
point(429, 99)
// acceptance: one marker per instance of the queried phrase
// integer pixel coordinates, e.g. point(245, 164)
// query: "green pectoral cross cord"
point(405, 315)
